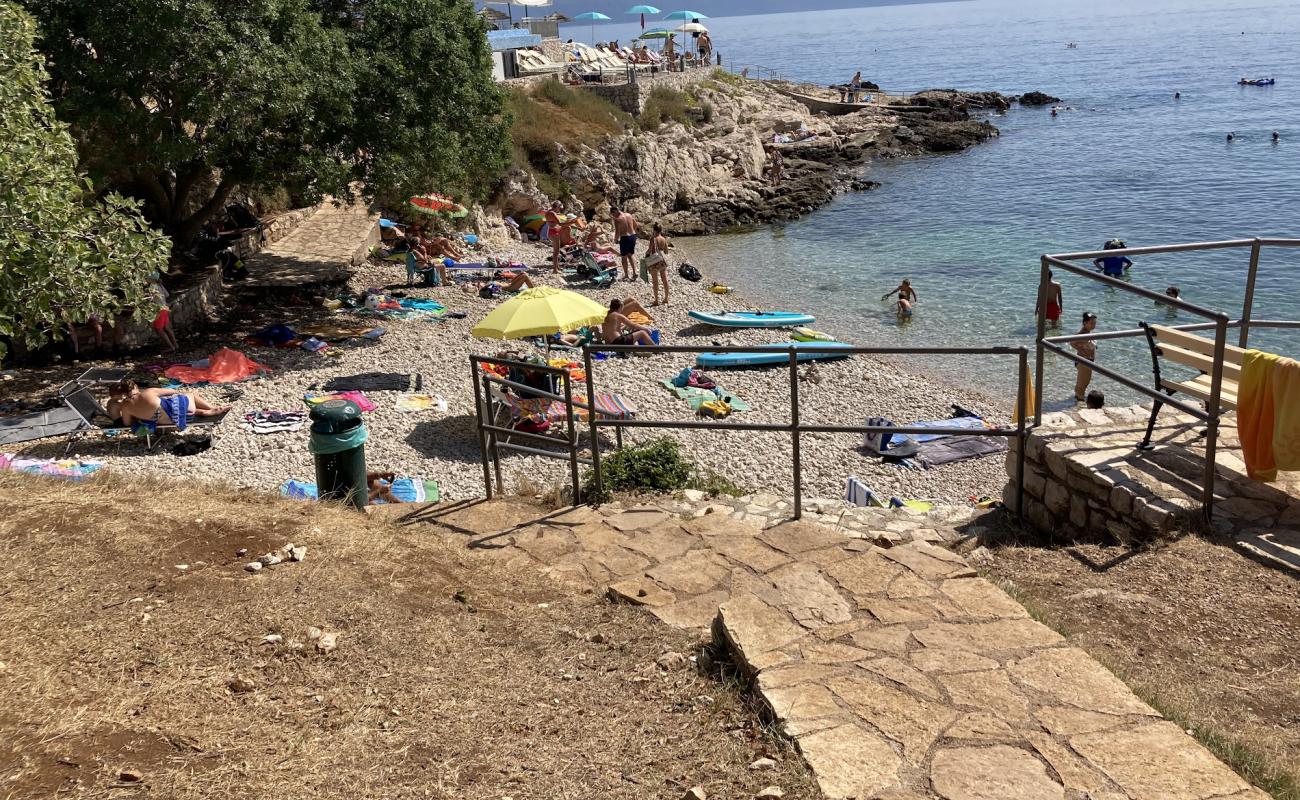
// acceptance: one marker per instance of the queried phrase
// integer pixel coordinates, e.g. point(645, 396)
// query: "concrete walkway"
point(898, 671)
point(321, 249)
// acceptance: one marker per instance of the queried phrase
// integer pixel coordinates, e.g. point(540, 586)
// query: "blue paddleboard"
point(753, 319)
point(779, 355)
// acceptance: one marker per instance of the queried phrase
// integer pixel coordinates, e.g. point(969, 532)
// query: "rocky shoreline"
point(709, 176)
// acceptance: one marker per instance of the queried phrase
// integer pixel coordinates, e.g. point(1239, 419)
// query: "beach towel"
point(696, 396)
point(1268, 414)
point(971, 423)
point(408, 403)
point(224, 366)
point(68, 469)
point(959, 448)
point(339, 332)
point(857, 493)
point(272, 421)
point(407, 490)
point(370, 382)
point(364, 403)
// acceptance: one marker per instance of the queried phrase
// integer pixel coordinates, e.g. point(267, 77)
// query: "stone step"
point(899, 672)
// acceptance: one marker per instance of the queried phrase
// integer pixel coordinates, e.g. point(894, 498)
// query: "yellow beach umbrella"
point(540, 311)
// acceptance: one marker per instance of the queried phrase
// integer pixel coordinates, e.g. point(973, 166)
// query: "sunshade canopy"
point(540, 311)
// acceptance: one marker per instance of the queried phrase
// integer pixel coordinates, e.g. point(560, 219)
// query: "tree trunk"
point(184, 229)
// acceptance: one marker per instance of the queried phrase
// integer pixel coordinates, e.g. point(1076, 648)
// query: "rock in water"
point(1037, 99)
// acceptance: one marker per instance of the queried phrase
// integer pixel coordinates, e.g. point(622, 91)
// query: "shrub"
point(657, 466)
point(552, 117)
point(663, 105)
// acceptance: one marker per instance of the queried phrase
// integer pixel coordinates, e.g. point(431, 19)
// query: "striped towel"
point(271, 421)
point(857, 493)
point(407, 490)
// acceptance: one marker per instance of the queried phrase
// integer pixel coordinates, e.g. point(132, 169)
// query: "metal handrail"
point(1220, 323)
point(795, 427)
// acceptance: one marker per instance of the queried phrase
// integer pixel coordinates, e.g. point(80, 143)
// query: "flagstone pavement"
point(899, 672)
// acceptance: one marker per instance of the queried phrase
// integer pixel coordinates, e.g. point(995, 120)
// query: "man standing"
point(1113, 266)
point(625, 233)
point(1055, 302)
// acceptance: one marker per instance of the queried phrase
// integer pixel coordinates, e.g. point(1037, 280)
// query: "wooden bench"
point(1189, 350)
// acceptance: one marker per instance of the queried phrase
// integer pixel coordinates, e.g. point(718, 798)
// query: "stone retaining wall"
point(1074, 484)
point(631, 97)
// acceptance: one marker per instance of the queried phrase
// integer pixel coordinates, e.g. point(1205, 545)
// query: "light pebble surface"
point(444, 447)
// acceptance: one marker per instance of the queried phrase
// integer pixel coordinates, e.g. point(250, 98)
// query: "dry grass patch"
point(1197, 627)
point(453, 677)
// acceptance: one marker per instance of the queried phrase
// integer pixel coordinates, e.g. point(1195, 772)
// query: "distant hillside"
point(722, 8)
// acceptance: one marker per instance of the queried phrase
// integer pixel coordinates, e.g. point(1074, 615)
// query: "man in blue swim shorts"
point(625, 232)
point(1113, 266)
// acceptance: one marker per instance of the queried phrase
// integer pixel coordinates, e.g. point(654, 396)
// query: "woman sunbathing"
point(592, 242)
point(154, 407)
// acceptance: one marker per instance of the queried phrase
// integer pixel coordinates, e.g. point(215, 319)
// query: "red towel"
point(224, 366)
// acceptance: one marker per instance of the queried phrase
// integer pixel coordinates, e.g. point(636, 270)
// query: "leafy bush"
point(657, 466)
point(663, 105)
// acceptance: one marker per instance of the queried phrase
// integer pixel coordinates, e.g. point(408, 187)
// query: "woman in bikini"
point(656, 262)
point(154, 407)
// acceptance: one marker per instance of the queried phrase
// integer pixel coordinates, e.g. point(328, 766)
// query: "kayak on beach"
point(753, 319)
point(780, 355)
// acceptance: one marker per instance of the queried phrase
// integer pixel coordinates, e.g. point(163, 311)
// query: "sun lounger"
point(77, 396)
point(532, 62)
point(607, 405)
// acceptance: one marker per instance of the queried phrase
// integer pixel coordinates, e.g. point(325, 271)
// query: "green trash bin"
point(338, 438)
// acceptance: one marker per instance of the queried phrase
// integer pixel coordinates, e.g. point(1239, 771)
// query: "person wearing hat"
point(1087, 349)
point(1113, 266)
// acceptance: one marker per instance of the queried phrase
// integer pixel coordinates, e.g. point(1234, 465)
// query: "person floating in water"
point(1113, 266)
point(1055, 302)
point(1276, 137)
point(906, 297)
point(1178, 95)
point(1231, 136)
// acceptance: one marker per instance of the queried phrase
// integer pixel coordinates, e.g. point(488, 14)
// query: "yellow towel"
point(1026, 402)
point(1268, 414)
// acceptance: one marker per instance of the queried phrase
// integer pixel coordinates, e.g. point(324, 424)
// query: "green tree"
point(63, 254)
point(430, 117)
point(181, 102)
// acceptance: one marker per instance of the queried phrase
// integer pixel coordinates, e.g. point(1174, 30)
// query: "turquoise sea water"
point(1129, 161)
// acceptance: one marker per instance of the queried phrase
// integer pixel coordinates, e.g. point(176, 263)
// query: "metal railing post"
point(1023, 376)
point(591, 419)
point(1043, 280)
point(1213, 412)
point(492, 444)
point(1249, 303)
point(794, 432)
point(479, 410)
point(571, 415)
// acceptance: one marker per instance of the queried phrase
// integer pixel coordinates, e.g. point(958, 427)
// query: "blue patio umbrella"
point(592, 17)
point(643, 10)
point(686, 15)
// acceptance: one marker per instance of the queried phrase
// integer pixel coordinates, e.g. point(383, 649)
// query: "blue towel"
point(408, 490)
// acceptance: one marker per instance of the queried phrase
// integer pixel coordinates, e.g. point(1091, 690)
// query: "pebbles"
point(445, 448)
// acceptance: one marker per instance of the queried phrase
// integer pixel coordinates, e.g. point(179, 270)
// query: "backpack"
point(689, 272)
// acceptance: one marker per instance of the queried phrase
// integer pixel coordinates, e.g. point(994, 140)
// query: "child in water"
point(906, 297)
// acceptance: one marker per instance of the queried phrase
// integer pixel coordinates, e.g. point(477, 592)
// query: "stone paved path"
point(899, 673)
point(320, 249)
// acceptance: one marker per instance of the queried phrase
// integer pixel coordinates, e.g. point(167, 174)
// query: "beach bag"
point(683, 378)
point(689, 272)
point(645, 268)
point(889, 445)
point(699, 380)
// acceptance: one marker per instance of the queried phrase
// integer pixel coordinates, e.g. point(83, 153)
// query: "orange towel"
point(1268, 414)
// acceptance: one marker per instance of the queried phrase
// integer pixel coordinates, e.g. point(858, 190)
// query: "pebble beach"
point(443, 447)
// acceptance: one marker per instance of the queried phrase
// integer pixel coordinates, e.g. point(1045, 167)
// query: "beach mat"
point(965, 423)
point(67, 468)
point(960, 448)
point(369, 382)
point(697, 397)
point(37, 425)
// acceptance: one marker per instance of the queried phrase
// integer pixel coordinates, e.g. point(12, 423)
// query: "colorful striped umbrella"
point(435, 204)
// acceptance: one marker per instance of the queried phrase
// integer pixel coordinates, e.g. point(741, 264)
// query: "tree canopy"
point(181, 102)
point(64, 255)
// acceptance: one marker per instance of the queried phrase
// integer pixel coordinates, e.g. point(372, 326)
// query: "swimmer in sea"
point(1178, 95)
point(906, 297)
point(1276, 137)
point(1232, 136)
point(1055, 302)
